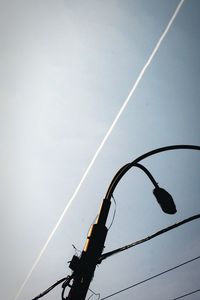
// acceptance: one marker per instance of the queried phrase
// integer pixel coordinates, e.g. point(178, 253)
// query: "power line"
point(152, 277)
point(146, 239)
point(140, 76)
point(93, 293)
point(65, 279)
point(185, 295)
point(106, 255)
point(113, 213)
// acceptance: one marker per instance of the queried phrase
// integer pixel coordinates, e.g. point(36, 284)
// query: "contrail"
point(101, 145)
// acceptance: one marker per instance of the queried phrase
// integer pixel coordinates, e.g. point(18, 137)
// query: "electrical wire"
point(67, 279)
point(76, 250)
point(93, 293)
point(150, 278)
point(146, 239)
point(185, 295)
point(136, 83)
point(52, 287)
point(113, 213)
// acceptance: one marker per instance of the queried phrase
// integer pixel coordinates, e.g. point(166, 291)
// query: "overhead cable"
point(51, 288)
point(113, 213)
point(106, 255)
point(146, 239)
point(150, 278)
point(185, 295)
point(93, 293)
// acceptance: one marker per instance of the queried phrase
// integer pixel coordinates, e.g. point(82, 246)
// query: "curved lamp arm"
point(146, 171)
point(122, 171)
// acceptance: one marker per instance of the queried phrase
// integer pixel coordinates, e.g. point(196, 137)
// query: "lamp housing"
point(165, 200)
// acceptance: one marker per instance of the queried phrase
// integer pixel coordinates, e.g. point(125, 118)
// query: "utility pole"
point(84, 267)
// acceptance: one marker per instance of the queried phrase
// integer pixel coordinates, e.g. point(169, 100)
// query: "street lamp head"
point(165, 200)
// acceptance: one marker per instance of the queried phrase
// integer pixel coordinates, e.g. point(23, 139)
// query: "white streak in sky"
point(101, 145)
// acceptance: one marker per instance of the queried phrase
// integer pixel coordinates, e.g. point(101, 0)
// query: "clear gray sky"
point(66, 69)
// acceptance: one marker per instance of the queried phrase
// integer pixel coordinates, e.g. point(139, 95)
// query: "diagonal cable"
point(188, 294)
point(146, 239)
point(150, 278)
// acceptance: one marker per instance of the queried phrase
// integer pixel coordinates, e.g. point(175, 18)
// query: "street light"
point(83, 267)
point(164, 199)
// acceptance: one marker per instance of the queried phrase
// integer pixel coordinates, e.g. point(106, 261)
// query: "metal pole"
point(85, 267)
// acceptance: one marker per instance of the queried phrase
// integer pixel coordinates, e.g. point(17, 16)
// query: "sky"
point(66, 69)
